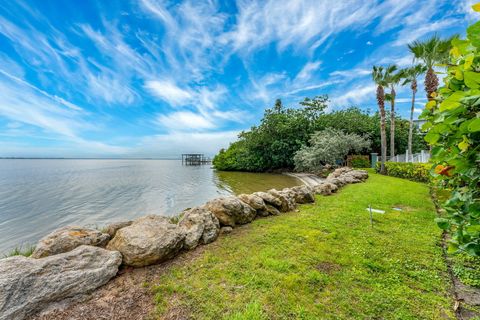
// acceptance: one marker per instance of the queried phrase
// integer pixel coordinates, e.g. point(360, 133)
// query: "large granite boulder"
point(338, 172)
point(112, 228)
point(231, 211)
point(303, 194)
point(336, 181)
point(148, 240)
point(269, 199)
point(343, 176)
point(286, 199)
point(68, 238)
point(253, 201)
point(271, 210)
point(361, 175)
point(200, 226)
point(30, 285)
point(326, 188)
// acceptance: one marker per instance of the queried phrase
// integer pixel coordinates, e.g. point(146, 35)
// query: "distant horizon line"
point(87, 158)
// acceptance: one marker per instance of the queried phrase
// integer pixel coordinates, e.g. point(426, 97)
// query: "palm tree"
point(392, 78)
point(431, 51)
point(410, 75)
point(378, 75)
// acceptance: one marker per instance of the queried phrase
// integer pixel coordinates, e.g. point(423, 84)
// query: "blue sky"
point(154, 78)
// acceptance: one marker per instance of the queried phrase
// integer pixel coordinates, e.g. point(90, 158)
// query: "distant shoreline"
point(48, 158)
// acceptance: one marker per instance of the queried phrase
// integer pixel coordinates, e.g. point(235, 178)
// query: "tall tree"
point(392, 77)
point(431, 51)
point(411, 75)
point(378, 75)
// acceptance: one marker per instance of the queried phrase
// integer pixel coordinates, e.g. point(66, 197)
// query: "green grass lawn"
point(324, 262)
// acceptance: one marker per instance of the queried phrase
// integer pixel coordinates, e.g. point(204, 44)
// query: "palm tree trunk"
point(392, 124)
point(412, 109)
point(431, 83)
point(383, 133)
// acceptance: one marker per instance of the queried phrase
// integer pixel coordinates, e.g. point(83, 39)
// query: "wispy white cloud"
point(351, 74)
point(408, 35)
point(23, 103)
point(185, 121)
point(307, 71)
point(168, 91)
point(357, 95)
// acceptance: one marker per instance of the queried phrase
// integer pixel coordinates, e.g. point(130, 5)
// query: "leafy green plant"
point(328, 147)
point(358, 161)
point(25, 251)
point(467, 268)
point(419, 172)
point(283, 131)
point(453, 131)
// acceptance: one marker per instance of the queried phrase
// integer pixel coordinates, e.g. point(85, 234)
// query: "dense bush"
point(412, 171)
point(453, 125)
point(329, 146)
point(283, 131)
point(358, 161)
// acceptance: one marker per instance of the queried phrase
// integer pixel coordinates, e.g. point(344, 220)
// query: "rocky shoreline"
point(73, 261)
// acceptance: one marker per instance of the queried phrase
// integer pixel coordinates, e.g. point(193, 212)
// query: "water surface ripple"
point(38, 196)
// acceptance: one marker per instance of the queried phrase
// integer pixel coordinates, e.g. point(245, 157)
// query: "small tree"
point(378, 75)
point(327, 147)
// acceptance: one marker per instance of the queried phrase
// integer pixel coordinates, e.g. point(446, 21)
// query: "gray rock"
point(231, 211)
point(30, 285)
point(286, 199)
point(336, 181)
point(338, 172)
point(253, 201)
point(112, 228)
point(226, 230)
point(148, 240)
point(326, 188)
point(200, 226)
point(303, 194)
point(269, 199)
point(68, 238)
point(272, 210)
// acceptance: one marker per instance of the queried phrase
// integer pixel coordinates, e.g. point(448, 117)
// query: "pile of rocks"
point(74, 260)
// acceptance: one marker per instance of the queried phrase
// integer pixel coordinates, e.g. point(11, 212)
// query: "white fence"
point(423, 156)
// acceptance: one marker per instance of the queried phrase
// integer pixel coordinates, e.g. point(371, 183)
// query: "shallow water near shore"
point(40, 195)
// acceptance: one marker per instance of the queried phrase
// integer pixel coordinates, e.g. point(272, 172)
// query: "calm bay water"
point(38, 196)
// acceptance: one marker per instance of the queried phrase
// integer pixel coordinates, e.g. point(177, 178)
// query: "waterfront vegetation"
point(25, 251)
point(419, 172)
point(273, 144)
point(289, 137)
point(324, 262)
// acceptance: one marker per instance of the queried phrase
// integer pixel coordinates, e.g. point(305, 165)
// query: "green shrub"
point(419, 172)
point(358, 161)
point(453, 131)
point(328, 147)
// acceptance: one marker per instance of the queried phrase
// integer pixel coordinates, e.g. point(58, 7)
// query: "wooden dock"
point(195, 159)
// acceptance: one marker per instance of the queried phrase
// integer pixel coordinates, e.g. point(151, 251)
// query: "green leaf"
point(442, 223)
point(452, 101)
point(474, 126)
point(459, 74)
point(432, 137)
point(472, 79)
point(463, 145)
point(473, 33)
point(431, 104)
point(472, 249)
point(468, 61)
